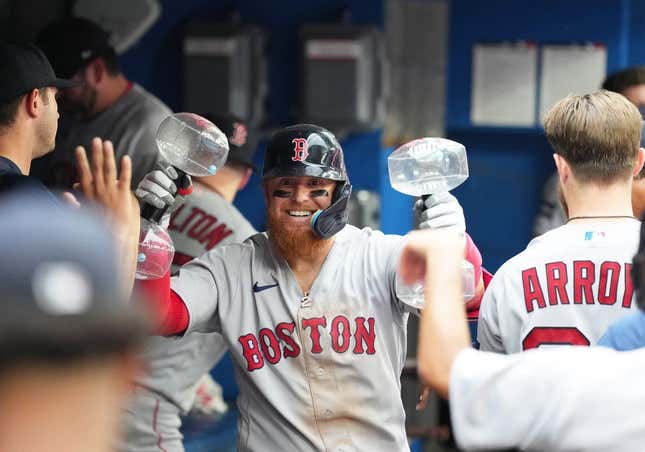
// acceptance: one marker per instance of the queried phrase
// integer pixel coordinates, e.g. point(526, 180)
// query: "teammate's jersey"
point(567, 287)
point(317, 371)
point(175, 365)
point(568, 399)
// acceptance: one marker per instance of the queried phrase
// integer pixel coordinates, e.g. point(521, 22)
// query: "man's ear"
point(96, 71)
point(640, 159)
point(33, 102)
point(564, 170)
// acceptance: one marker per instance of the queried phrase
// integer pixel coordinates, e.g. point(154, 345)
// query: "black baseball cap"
point(61, 295)
point(25, 67)
point(242, 142)
point(72, 42)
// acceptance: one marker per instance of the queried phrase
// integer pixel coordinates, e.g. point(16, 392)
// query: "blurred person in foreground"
point(535, 400)
point(68, 335)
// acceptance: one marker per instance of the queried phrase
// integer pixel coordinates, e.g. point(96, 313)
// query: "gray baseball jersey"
point(175, 365)
point(130, 123)
point(316, 371)
point(567, 287)
point(567, 399)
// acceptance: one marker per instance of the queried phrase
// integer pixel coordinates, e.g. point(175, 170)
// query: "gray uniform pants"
point(151, 424)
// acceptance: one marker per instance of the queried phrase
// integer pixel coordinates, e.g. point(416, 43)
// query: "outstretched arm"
point(435, 255)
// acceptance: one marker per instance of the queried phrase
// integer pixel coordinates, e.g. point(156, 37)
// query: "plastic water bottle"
point(420, 168)
point(195, 146)
point(192, 144)
point(156, 251)
point(427, 165)
point(414, 294)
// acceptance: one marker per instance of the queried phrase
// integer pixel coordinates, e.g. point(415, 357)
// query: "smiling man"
point(308, 309)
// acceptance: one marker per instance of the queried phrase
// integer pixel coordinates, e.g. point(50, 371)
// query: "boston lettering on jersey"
point(346, 337)
point(588, 282)
point(199, 225)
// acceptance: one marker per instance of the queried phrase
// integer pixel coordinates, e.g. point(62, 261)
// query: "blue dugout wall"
point(507, 165)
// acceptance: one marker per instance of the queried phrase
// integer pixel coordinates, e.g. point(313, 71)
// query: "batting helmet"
point(309, 150)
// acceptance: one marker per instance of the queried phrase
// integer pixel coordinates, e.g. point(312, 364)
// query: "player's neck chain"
point(590, 217)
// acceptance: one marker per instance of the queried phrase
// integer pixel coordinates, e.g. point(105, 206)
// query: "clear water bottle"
point(195, 146)
point(420, 168)
point(427, 165)
point(192, 144)
point(414, 294)
point(156, 251)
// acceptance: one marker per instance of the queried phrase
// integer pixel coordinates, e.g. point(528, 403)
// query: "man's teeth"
point(299, 213)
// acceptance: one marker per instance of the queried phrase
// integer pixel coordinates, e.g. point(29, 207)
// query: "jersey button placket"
point(316, 374)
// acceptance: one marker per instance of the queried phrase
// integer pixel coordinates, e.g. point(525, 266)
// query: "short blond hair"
point(598, 134)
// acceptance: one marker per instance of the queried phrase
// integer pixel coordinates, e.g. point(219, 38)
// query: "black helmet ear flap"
point(325, 223)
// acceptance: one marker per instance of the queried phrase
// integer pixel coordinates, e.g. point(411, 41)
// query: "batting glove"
point(164, 188)
point(441, 210)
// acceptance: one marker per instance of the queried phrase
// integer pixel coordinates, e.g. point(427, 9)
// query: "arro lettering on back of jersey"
point(270, 346)
point(579, 282)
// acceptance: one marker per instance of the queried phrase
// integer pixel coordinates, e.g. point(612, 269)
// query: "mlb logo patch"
point(591, 235)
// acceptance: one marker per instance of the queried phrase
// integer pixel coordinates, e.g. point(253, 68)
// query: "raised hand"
point(100, 184)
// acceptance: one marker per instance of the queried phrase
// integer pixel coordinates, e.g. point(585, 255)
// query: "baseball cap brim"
point(65, 83)
point(35, 336)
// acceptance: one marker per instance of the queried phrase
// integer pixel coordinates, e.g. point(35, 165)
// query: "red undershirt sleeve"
point(168, 309)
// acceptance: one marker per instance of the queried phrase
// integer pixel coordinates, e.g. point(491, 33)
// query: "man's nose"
point(301, 194)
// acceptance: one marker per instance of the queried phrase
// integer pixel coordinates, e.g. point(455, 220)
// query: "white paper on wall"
point(504, 84)
point(570, 69)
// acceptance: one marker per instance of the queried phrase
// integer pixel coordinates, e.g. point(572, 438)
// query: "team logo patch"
point(299, 149)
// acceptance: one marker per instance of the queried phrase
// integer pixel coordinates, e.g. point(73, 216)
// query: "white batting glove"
point(159, 188)
point(441, 210)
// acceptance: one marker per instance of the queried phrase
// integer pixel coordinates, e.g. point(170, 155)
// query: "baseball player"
point(178, 368)
point(630, 83)
point(564, 399)
point(307, 309)
point(571, 283)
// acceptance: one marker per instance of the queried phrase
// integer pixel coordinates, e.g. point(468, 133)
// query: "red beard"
point(294, 243)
